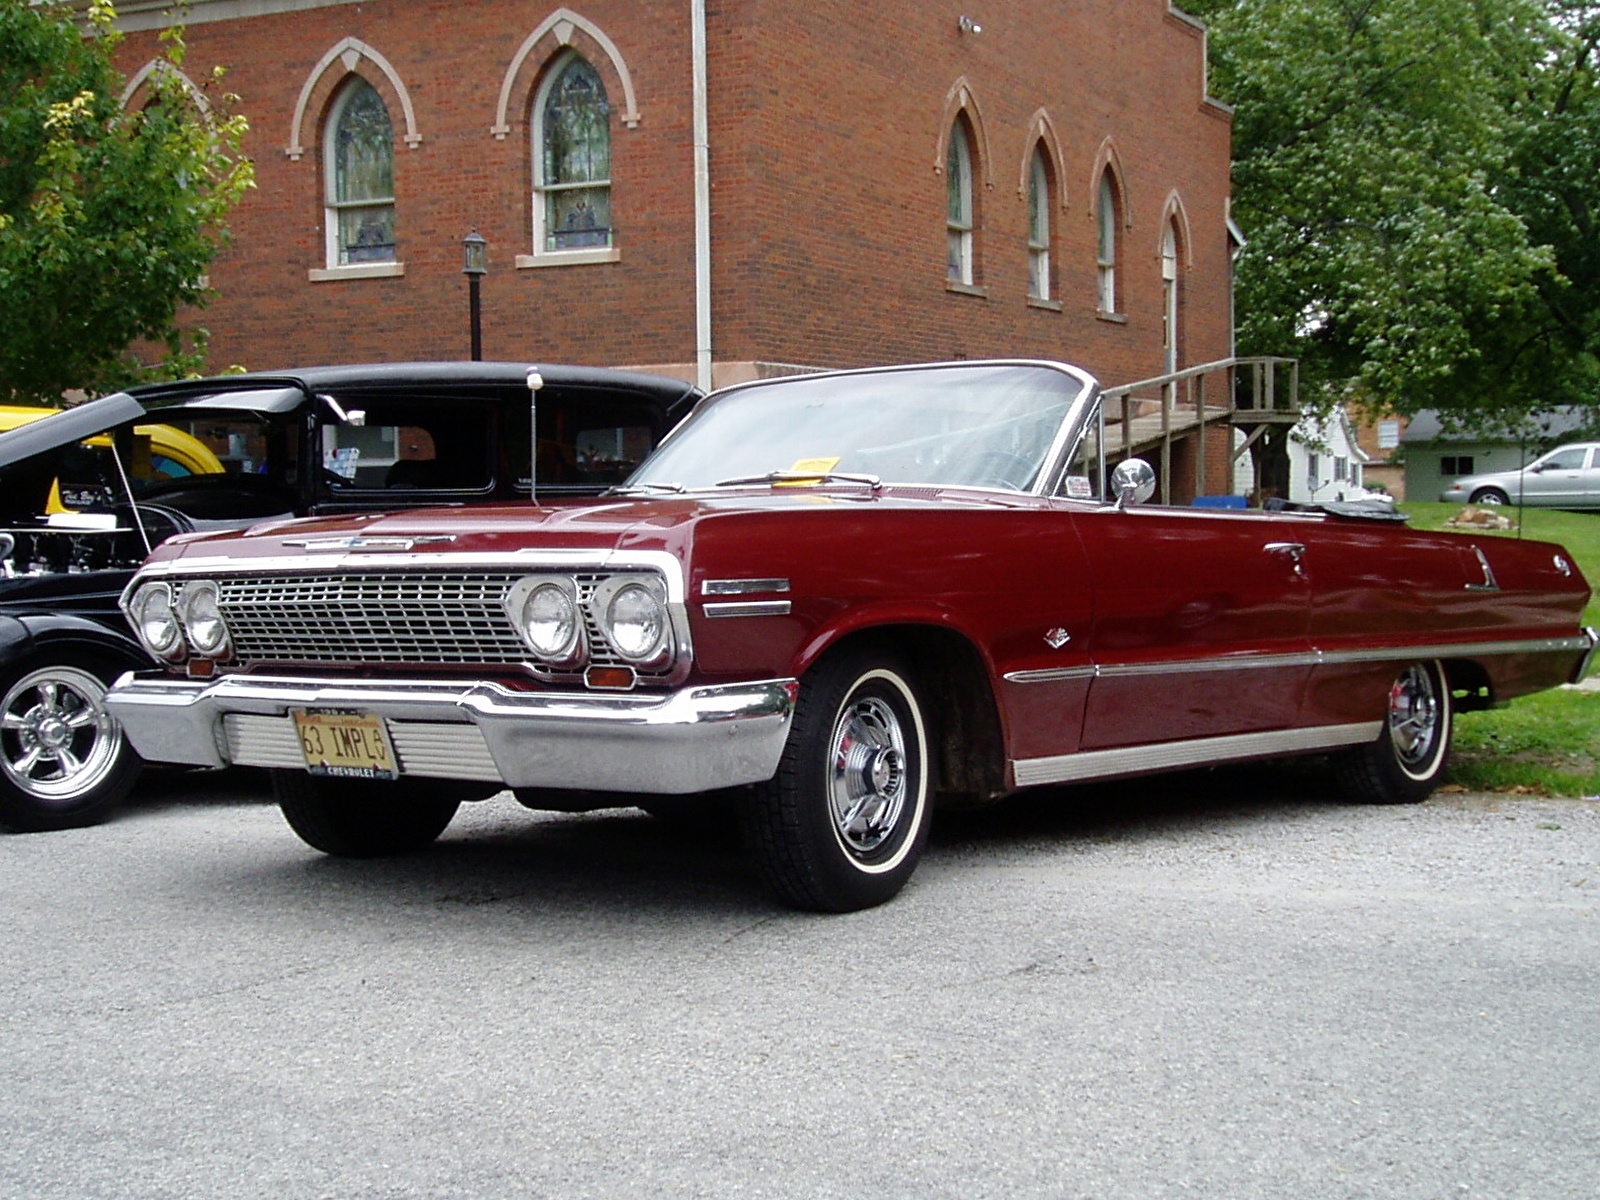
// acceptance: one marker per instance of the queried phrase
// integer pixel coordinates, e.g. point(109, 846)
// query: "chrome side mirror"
point(1133, 482)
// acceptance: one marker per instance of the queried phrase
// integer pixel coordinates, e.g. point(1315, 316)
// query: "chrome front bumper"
point(691, 740)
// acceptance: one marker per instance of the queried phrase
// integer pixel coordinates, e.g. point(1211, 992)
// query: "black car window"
point(407, 445)
point(587, 438)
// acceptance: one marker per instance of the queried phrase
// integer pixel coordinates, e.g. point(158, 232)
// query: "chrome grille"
point(375, 616)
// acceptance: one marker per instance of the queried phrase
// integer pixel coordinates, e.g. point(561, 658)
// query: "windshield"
point(985, 425)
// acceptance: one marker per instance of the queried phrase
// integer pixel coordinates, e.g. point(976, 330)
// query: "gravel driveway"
point(1212, 985)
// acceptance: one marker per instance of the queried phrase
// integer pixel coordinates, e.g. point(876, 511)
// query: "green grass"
point(1549, 743)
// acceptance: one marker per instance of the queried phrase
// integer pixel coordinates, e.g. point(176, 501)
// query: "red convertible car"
point(834, 602)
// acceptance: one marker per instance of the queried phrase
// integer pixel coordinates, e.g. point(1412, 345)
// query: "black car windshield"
point(984, 425)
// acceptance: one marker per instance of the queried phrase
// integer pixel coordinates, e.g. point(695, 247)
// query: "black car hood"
point(66, 427)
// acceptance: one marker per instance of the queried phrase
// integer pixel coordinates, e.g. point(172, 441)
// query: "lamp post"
point(475, 265)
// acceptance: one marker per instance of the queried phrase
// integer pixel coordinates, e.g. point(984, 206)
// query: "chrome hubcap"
point(1413, 716)
point(57, 742)
point(867, 774)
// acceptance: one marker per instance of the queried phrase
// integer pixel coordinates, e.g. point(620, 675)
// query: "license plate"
point(344, 743)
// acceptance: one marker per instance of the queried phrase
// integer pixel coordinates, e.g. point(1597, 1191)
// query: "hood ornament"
point(319, 545)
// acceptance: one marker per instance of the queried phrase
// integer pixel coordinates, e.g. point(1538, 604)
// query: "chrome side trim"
point(742, 587)
point(747, 608)
point(1454, 650)
point(1314, 658)
point(1166, 756)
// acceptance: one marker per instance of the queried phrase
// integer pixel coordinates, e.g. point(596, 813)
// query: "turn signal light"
point(614, 678)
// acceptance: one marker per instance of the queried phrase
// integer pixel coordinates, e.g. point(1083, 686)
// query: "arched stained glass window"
point(1106, 222)
point(572, 160)
point(360, 173)
point(958, 219)
point(1039, 228)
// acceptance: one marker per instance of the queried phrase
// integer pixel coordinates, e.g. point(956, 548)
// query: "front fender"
point(882, 615)
point(27, 635)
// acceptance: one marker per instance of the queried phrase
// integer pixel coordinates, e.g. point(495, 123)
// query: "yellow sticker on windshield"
point(813, 469)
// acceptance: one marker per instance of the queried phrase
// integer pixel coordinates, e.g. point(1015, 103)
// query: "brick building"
point(898, 181)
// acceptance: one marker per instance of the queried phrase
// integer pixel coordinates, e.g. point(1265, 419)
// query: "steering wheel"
point(1001, 468)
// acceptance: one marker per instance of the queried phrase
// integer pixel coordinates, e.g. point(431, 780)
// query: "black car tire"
point(1493, 497)
point(64, 761)
point(1407, 760)
point(842, 823)
point(364, 818)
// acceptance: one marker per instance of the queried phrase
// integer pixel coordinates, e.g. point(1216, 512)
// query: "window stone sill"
point(1047, 305)
point(356, 271)
point(966, 289)
point(568, 258)
point(1114, 318)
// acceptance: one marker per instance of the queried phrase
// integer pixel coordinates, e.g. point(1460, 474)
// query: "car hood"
point(67, 427)
point(631, 524)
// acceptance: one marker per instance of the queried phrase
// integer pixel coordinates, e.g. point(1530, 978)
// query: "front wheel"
point(1492, 497)
point(1408, 758)
point(63, 759)
point(841, 825)
point(364, 818)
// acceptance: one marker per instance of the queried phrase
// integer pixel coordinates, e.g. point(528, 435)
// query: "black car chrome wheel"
point(841, 825)
point(1408, 758)
point(63, 758)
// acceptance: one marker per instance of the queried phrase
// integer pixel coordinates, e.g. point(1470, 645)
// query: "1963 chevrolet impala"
point(840, 601)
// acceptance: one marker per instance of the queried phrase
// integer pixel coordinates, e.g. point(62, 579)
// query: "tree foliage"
point(109, 219)
point(1416, 179)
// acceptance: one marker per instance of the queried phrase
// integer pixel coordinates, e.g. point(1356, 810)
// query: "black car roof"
point(670, 393)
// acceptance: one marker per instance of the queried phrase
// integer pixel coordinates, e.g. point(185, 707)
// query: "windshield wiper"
point(869, 481)
point(625, 489)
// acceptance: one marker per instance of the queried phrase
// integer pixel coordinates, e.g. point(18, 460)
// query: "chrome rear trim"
point(1167, 756)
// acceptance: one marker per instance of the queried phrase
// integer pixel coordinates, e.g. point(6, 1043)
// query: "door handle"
point(1294, 550)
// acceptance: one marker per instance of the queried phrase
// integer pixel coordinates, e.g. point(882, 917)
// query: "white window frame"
point(542, 257)
point(959, 226)
point(1106, 243)
point(331, 202)
point(1039, 227)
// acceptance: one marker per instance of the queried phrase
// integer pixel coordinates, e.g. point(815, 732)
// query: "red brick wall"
point(828, 209)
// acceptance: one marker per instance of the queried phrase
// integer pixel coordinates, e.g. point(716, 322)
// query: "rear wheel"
point(1492, 497)
point(63, 759)
point(841, 825)
point(364, 818)
point(1408, 758)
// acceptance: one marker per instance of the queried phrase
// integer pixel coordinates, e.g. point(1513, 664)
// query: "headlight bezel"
point(157, 592)
point(191, 597)
point(572, 650)
point(659, 650)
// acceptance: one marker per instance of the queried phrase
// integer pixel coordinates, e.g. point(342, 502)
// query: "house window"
point(958, 219)
point(1341, 468)
point(572, 160)
point(1314, 471)
point(1106, 222)
point(1456, 464)
point(1038, 228)
point(1388, 435)
point(360, 175)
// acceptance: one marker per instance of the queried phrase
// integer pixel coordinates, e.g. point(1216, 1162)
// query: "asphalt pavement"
point(1219, 984)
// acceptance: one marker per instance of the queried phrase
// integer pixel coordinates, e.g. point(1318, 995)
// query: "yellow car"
point(159, 451)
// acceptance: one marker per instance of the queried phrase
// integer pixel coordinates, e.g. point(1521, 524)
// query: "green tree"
point(1374, 141)
point(109, 219)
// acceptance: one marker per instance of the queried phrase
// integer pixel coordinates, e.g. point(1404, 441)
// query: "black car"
point(87, 492)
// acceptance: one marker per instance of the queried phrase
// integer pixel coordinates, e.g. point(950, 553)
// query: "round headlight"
point(201, 612)
point(545, 613)
point(636, 622)
point(155, 622)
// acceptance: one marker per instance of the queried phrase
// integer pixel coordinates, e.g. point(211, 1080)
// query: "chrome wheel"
point(1414, 720)
point(57, 742)
point(867, 777)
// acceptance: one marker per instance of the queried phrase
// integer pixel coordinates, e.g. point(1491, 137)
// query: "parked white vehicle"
point(1566, 477)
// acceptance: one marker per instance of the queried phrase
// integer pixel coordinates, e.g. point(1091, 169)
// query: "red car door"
point(1201, 624)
